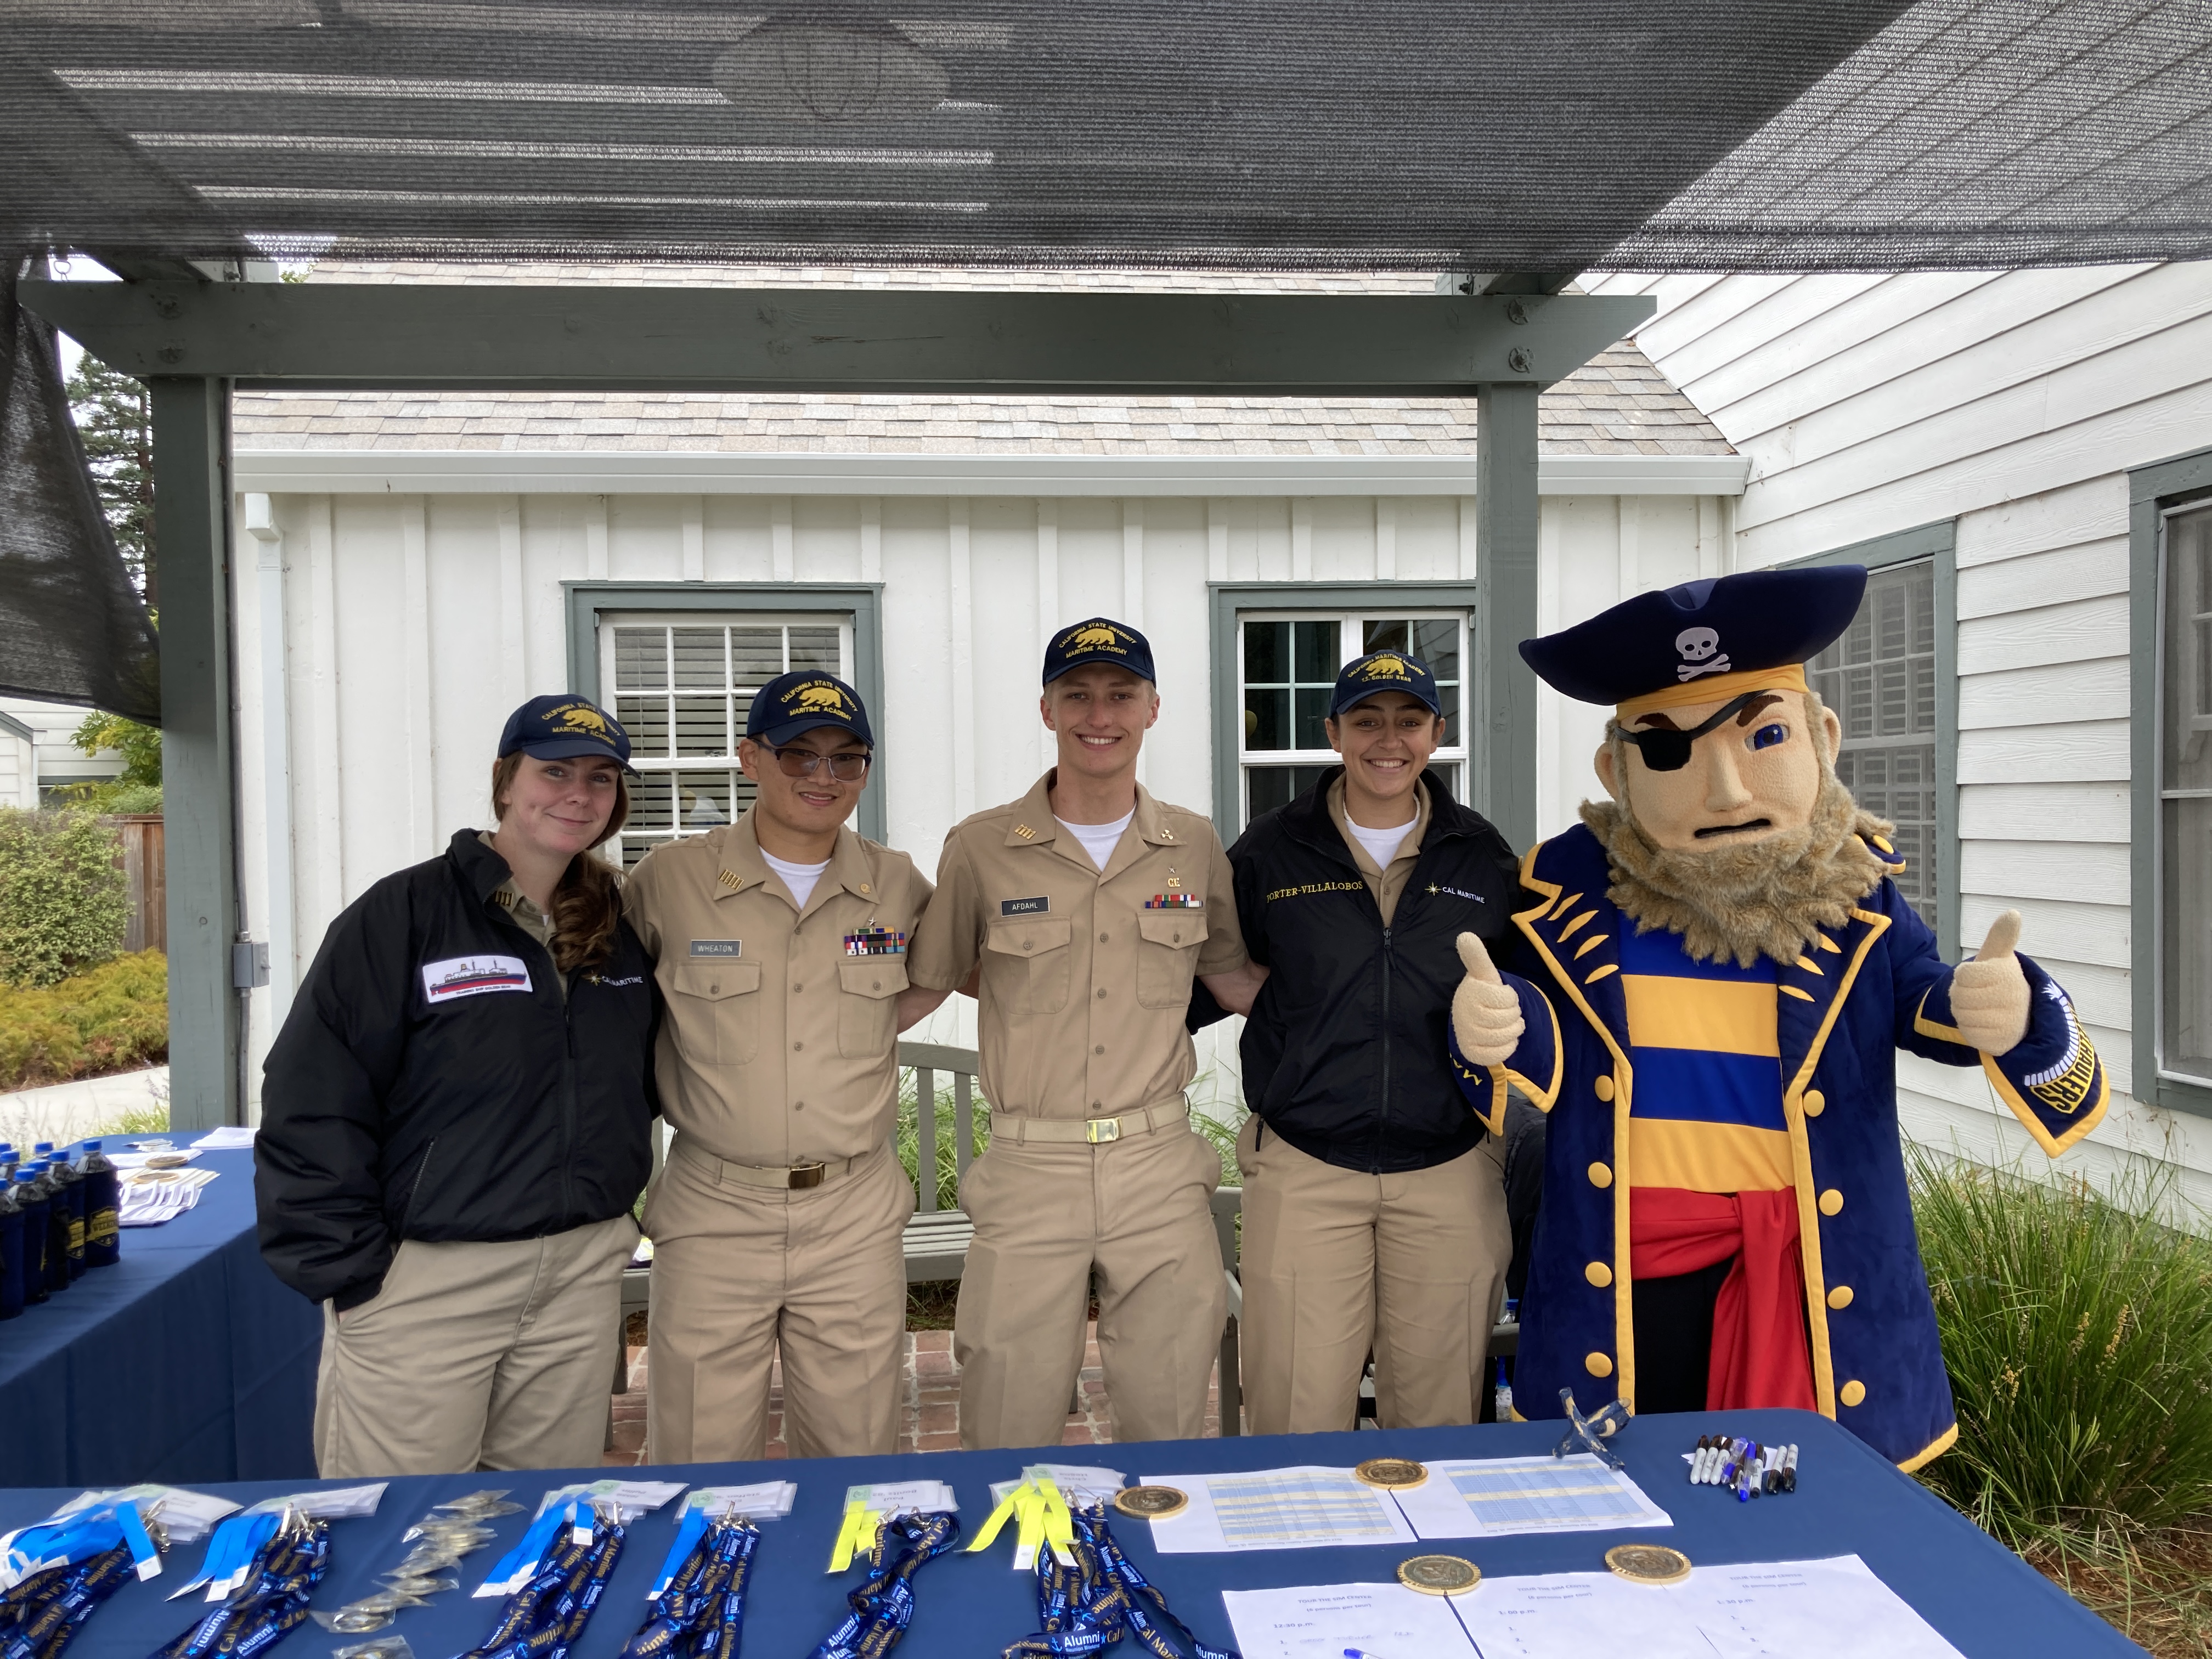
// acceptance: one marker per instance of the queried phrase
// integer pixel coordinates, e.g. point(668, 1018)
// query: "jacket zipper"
point(567, 1094)
point(421, 1173)
point(1389, 972)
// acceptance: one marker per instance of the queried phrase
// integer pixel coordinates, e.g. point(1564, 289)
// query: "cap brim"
point(1101, 659)
point(777, 735)
point(569, 748)
point(1431, 704)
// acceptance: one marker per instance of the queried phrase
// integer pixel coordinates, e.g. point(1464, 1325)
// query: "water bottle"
point(56, 1274)
point(31, 1199)
point(103, 1200)
point(1505, 1393)
point(10, 1158)
point(11, 1249)
point(69, 1193)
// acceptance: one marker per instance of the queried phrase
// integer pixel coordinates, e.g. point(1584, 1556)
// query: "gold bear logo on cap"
point(1384, 667)
point(816, 698)
point(580, 717)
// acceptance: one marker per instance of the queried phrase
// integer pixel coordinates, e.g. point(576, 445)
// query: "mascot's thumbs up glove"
point(1487, 1010)
point(1989, 996)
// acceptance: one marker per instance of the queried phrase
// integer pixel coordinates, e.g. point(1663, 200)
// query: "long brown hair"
point(587, 904)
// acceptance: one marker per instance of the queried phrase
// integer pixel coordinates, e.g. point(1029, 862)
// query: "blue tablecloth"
point(185, 1362)
point(1978, 1595)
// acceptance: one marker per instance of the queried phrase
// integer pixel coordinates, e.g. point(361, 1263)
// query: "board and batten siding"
point(413, 623)
point(2012, 403)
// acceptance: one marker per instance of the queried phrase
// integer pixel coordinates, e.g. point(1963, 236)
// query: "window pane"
point(646, 720)
point(707, 799)
point(649, 799)
point(1266, 653)
point(1313, 709)
point(1445, 775)
point(1267, 720)
point(1436, 643)
point(755, 655)
point(1315, 657)
point(815, 647)
point(702, 726)
point(1267, 787)
point(698, 653)
point(2186, 810)
point(640, 658)
point(1377, 635)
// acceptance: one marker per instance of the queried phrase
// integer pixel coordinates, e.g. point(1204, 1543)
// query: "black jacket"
point(424, 1088)
point(1345, 1054)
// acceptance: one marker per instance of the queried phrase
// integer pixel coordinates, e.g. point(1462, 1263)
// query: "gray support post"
point(191, 539)
point(1505, 518)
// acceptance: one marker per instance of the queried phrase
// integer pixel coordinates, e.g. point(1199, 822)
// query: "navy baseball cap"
point(1099, 640)
point(1705, 641)
point(1384, 671)
point(802, 700)
point(560, 727)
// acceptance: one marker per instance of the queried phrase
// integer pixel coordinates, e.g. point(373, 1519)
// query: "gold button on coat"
point(1852, 1392)
point(1597, 1364)
point(1604, 1087)
point(1815, 1102)
point(1831, 1201)
point(1840, 1298)
point(1600, 1175)
point(1598, 1275)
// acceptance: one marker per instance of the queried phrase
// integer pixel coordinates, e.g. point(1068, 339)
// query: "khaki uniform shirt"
point(527, 916)
point(1385, 884)
point(1084, 987)
point(780, 1046)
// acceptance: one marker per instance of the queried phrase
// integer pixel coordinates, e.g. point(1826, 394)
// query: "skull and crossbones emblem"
point(1700, 648)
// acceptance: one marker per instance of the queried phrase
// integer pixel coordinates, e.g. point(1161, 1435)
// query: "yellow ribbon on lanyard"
point(857, 1534)
point(1041, 1518)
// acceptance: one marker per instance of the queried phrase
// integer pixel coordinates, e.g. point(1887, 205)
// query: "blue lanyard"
point(40, 1615)
point(281, 1576)
point(543, 1618)
point(1085, 1608)
point(699, 1611)
point(883, 1607)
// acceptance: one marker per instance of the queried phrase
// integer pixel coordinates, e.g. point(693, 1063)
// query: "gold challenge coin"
point(1151, 1503)
point(1439, 1574)
point(1392, 1473)
point(1647, 1564)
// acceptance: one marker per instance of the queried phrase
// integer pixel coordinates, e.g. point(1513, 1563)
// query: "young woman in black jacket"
point(456, 1119)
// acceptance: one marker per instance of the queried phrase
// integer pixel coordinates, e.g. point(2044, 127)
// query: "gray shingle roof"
point(1618, 404)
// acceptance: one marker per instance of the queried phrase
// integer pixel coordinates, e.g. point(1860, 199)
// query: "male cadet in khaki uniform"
point(781, 942)
point(1088, 906)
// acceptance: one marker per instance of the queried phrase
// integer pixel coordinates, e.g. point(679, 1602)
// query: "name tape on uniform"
point(718, 947)
point(472, 976)
point(1028, 907)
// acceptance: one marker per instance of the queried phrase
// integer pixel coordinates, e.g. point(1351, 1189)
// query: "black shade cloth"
point(72, 628)
point(1415, 135)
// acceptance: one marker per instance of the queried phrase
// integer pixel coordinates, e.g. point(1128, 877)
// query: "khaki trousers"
point(1336, 1262)
point(1045, 1214)
point(476, 1356)
point(738, 1271)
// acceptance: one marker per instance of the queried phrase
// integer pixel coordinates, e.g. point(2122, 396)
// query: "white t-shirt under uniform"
point(1382, 845)
point(1099, 840)
point(799, 878)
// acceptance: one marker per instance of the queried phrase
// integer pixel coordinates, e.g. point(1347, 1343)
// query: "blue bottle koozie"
point(68, 1192)
point(31, 1198)
point(103, 1203)
point(11, 1253)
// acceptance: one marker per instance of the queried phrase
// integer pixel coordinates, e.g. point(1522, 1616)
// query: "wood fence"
point(141, 858)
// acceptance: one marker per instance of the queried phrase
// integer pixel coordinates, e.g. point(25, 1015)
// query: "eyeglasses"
point(1666, 750)
point(806, 762)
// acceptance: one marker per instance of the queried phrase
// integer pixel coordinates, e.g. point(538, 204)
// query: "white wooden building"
point(435, 559)
point(2036, 447)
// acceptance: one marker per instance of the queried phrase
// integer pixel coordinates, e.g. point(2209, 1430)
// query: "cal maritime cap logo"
point(1096, 636)
point(581, 719)
point(817, 698)
point(1382, 665)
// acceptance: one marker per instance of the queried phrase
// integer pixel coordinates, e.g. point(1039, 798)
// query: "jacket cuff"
point(2052, 1078)
point(1534, 1067)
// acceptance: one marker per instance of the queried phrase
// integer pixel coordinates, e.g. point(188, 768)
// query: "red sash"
point(1759, 1357)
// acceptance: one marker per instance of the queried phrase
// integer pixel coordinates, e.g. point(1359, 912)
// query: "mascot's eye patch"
point(1767, 736)
point(1666, 749)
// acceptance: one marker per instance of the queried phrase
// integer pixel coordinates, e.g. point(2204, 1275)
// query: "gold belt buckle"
point(1099, 1130)
point(808, 1175)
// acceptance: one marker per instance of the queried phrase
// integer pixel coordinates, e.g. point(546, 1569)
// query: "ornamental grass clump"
point(2077, 1329)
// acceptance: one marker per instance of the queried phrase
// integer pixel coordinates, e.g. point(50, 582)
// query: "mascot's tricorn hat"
point(1704, 641)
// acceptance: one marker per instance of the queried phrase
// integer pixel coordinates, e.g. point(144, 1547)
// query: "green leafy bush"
point(112, 1019)
point(948, 1138)
point(2077, 1329)
point(63, 900)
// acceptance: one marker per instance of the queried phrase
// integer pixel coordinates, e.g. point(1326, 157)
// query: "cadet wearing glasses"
point(780, 941)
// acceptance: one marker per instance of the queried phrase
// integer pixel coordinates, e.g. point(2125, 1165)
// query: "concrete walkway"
point(71, 1111)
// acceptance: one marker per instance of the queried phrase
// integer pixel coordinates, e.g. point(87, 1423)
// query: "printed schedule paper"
point(1831, 1609)
point(1308, 1508)
point(1492, 1498)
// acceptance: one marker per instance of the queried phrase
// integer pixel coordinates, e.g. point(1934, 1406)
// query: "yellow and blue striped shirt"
point(1705, 1109)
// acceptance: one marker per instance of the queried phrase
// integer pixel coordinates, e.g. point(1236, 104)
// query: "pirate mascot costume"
point(1723, 971)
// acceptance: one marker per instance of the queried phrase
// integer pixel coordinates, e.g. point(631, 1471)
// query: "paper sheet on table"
point(1491, 1498)
point(138, 1160)
point(1303, 1508)
point(1831, 1609)
point(1381, 1621)
point(227, 1139)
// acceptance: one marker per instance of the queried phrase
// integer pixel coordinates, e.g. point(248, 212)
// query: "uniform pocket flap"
point(714, 981)
point(1176, 928)
point(1030, 936)
point(884, 977)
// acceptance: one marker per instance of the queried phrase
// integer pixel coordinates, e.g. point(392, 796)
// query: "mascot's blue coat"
point(1864, 991)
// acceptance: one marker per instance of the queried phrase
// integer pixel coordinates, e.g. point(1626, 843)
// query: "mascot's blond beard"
point(1768, 898)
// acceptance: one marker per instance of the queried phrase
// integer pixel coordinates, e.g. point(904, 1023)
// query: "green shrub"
point(2077, 1329)
point(63, 900)
point(948, 1138)
point(112, 1019)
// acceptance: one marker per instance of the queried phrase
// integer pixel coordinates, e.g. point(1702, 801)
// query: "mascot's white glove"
point(1485, 1013)
point(1989, 996)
